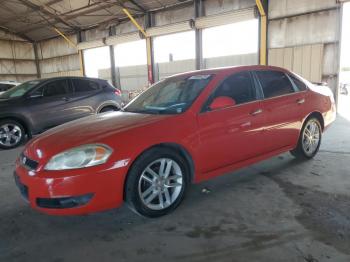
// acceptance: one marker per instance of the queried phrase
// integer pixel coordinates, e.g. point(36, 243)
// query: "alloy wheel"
point(160, 184)
point(10, 135)
point(311, 137)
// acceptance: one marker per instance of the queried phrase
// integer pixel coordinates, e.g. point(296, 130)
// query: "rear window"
point(299, 84)
point(5, 87)
point(274, 83)
point(81, 85)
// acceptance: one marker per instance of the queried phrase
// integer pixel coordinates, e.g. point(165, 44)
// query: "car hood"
point(87, 130)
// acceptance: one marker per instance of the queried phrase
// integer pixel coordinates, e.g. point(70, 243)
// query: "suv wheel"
point(12, 134)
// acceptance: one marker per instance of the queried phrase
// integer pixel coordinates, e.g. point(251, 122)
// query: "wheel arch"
point(317, 115)
point(20, 120)
point(108, 104)
point(172, 146)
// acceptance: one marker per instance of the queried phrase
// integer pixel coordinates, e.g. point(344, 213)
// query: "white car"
point(6, 85)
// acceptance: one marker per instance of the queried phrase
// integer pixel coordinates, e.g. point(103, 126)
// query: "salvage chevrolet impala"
point(185, 129)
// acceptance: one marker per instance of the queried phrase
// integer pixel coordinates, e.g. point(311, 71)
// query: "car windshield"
point(170, 96)
point(19, 90)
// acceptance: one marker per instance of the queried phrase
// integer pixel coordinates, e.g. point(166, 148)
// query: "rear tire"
point(157, 182)
point(12, 134)
point(309, 140)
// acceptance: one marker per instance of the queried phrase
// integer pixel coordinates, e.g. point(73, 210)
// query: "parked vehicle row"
point(185, 129)
point(35, 106)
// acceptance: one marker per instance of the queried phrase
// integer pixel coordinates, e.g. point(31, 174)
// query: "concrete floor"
point(277, 210)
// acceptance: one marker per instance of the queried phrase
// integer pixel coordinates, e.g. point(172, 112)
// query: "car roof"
point(230, 69)
point(69, 77)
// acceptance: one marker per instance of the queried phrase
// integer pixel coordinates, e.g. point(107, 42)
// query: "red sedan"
point(185, 129)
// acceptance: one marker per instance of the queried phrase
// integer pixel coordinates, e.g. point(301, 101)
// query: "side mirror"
point(222, 102)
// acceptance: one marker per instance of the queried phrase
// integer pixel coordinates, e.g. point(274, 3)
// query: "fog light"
point(64, 202)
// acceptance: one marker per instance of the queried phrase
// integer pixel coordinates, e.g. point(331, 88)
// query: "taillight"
point(117, 92)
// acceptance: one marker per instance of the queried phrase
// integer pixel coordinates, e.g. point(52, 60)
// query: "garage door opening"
point(174, 47)
point(344, 75)
point(174, 53)
point(97, 63)
point(232, 44)
point(130, 53)
point(131, 67)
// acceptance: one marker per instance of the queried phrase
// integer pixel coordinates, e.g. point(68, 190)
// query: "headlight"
point(80, 157)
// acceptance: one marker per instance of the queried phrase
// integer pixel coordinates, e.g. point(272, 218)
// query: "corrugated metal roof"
point(35, 19)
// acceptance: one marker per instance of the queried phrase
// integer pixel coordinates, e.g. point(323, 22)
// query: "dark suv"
point(35, 106)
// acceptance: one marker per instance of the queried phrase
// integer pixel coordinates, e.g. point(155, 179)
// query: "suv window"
point(5, 87)
point(81, 85)
point(300, 85)
point(239, 87)
point(274, 83)
point(55, 88)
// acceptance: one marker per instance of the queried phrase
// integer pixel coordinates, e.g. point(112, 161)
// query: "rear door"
point(284, 107)
point(50, 104)
point(85, 96)
point(232, 134)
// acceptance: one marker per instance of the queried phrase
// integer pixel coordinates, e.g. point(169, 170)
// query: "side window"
point(274, 83)
point(300, 85)
point(5, 87)
point(239, 87)
point(85, 85)
point(55, 88)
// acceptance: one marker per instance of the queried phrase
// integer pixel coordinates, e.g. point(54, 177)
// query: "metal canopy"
point(34, 20)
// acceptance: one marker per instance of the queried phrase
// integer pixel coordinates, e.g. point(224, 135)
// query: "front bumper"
point(76, 194)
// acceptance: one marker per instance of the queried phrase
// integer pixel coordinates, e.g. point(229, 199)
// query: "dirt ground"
point(277, 210)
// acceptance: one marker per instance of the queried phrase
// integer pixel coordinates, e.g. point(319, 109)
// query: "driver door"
point(235, 133)
point(50, 104)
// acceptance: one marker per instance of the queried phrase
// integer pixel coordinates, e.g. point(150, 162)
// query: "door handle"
point(256, 112)
point(65, 98)
point(301, 101)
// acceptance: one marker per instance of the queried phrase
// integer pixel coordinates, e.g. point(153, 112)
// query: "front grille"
point(28, 163)
point(23, 189)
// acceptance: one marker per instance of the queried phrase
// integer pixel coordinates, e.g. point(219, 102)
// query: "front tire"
point(157, 182)
point(12, 134)
point(309, 139)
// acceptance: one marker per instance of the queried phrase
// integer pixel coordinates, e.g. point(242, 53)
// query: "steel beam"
point(263, 31)
point(112, 32)
point(26, 14)
point(65, 38)
point(80, 38)
point(136, 24)
point(149, 46)
point(21, 35)
point(37, 64)
point(142, 9)
point(43, 10)
point(198, 12)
